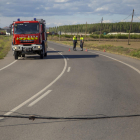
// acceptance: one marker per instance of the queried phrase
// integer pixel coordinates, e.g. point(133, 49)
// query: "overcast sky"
point(67, 12)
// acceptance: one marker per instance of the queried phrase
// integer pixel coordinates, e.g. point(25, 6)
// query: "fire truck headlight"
point(38, 47)
point(15, 48)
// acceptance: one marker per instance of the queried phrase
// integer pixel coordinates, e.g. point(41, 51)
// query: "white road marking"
point(38, 99)
point(8, 65)
point(68, 69)
point(118, 61)
point(37, 94)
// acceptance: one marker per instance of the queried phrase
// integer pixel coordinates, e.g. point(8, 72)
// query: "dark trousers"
point(81, 45)
point(74, 45)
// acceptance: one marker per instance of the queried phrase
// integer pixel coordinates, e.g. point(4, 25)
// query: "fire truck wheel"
point(42, 54)
point(45, 53)
point(16, 55)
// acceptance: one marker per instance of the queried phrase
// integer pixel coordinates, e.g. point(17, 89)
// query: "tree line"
point(95, 28)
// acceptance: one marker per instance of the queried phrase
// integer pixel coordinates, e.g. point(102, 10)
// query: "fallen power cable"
point(32, 117)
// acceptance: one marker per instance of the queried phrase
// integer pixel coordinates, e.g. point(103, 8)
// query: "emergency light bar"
point(18, 19)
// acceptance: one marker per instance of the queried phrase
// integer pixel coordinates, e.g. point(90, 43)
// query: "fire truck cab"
point(29, 37)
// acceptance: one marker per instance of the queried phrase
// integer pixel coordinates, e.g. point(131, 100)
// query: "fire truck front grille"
point(27, 41)
point(26, 44)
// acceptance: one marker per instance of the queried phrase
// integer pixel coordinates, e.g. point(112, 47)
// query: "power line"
point(137, 17)
point(137, 14)
point(128, 16)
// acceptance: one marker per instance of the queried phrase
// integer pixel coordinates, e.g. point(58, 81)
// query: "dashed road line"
point(38, 99)
point(114, 60)
point(68, 69)
point(40, 92)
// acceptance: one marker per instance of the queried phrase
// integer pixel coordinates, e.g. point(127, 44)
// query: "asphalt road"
point(70, 84)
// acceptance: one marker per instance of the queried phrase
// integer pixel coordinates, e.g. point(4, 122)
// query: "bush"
point(135, 36)
point(119, 36)
point(94, 36)
point(135, 53)
point(67, 36)
point(111, 36)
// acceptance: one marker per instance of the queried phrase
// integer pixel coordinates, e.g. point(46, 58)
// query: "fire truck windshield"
point(26, 28)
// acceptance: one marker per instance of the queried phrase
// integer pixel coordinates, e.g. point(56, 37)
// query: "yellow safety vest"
point(74, 38)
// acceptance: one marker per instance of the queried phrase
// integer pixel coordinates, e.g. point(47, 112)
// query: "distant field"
point(134, 45)
point(5, 45)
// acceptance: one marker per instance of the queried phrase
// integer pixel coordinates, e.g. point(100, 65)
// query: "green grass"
point(5, 44)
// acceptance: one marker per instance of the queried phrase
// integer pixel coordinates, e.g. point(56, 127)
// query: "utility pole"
point(78, 30)
point(130, 26)
point(100, 29)
point(59, 34)
point(86, 30)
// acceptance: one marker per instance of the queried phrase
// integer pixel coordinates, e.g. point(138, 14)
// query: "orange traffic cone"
point(104, 50)
point(69, 50)
point(86, 50)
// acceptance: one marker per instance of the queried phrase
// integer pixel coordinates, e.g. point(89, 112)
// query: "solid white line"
point(8, 65)
point(118, 61)
point(38, 99)
point(37, 94)
point(68, 69)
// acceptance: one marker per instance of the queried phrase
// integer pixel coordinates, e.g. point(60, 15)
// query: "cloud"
point(107, 21)
point(66, 7)
point(101, 9)
point(61, 0)
point(47, 8)
point(79, 10)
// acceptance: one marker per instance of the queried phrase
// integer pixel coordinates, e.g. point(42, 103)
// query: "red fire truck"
point(29, 37)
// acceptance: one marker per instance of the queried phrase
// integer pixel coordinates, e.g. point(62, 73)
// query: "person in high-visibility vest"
point(74, 43)
point(81, 42)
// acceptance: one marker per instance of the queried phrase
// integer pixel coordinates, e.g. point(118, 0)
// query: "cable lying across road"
point(67, 118)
